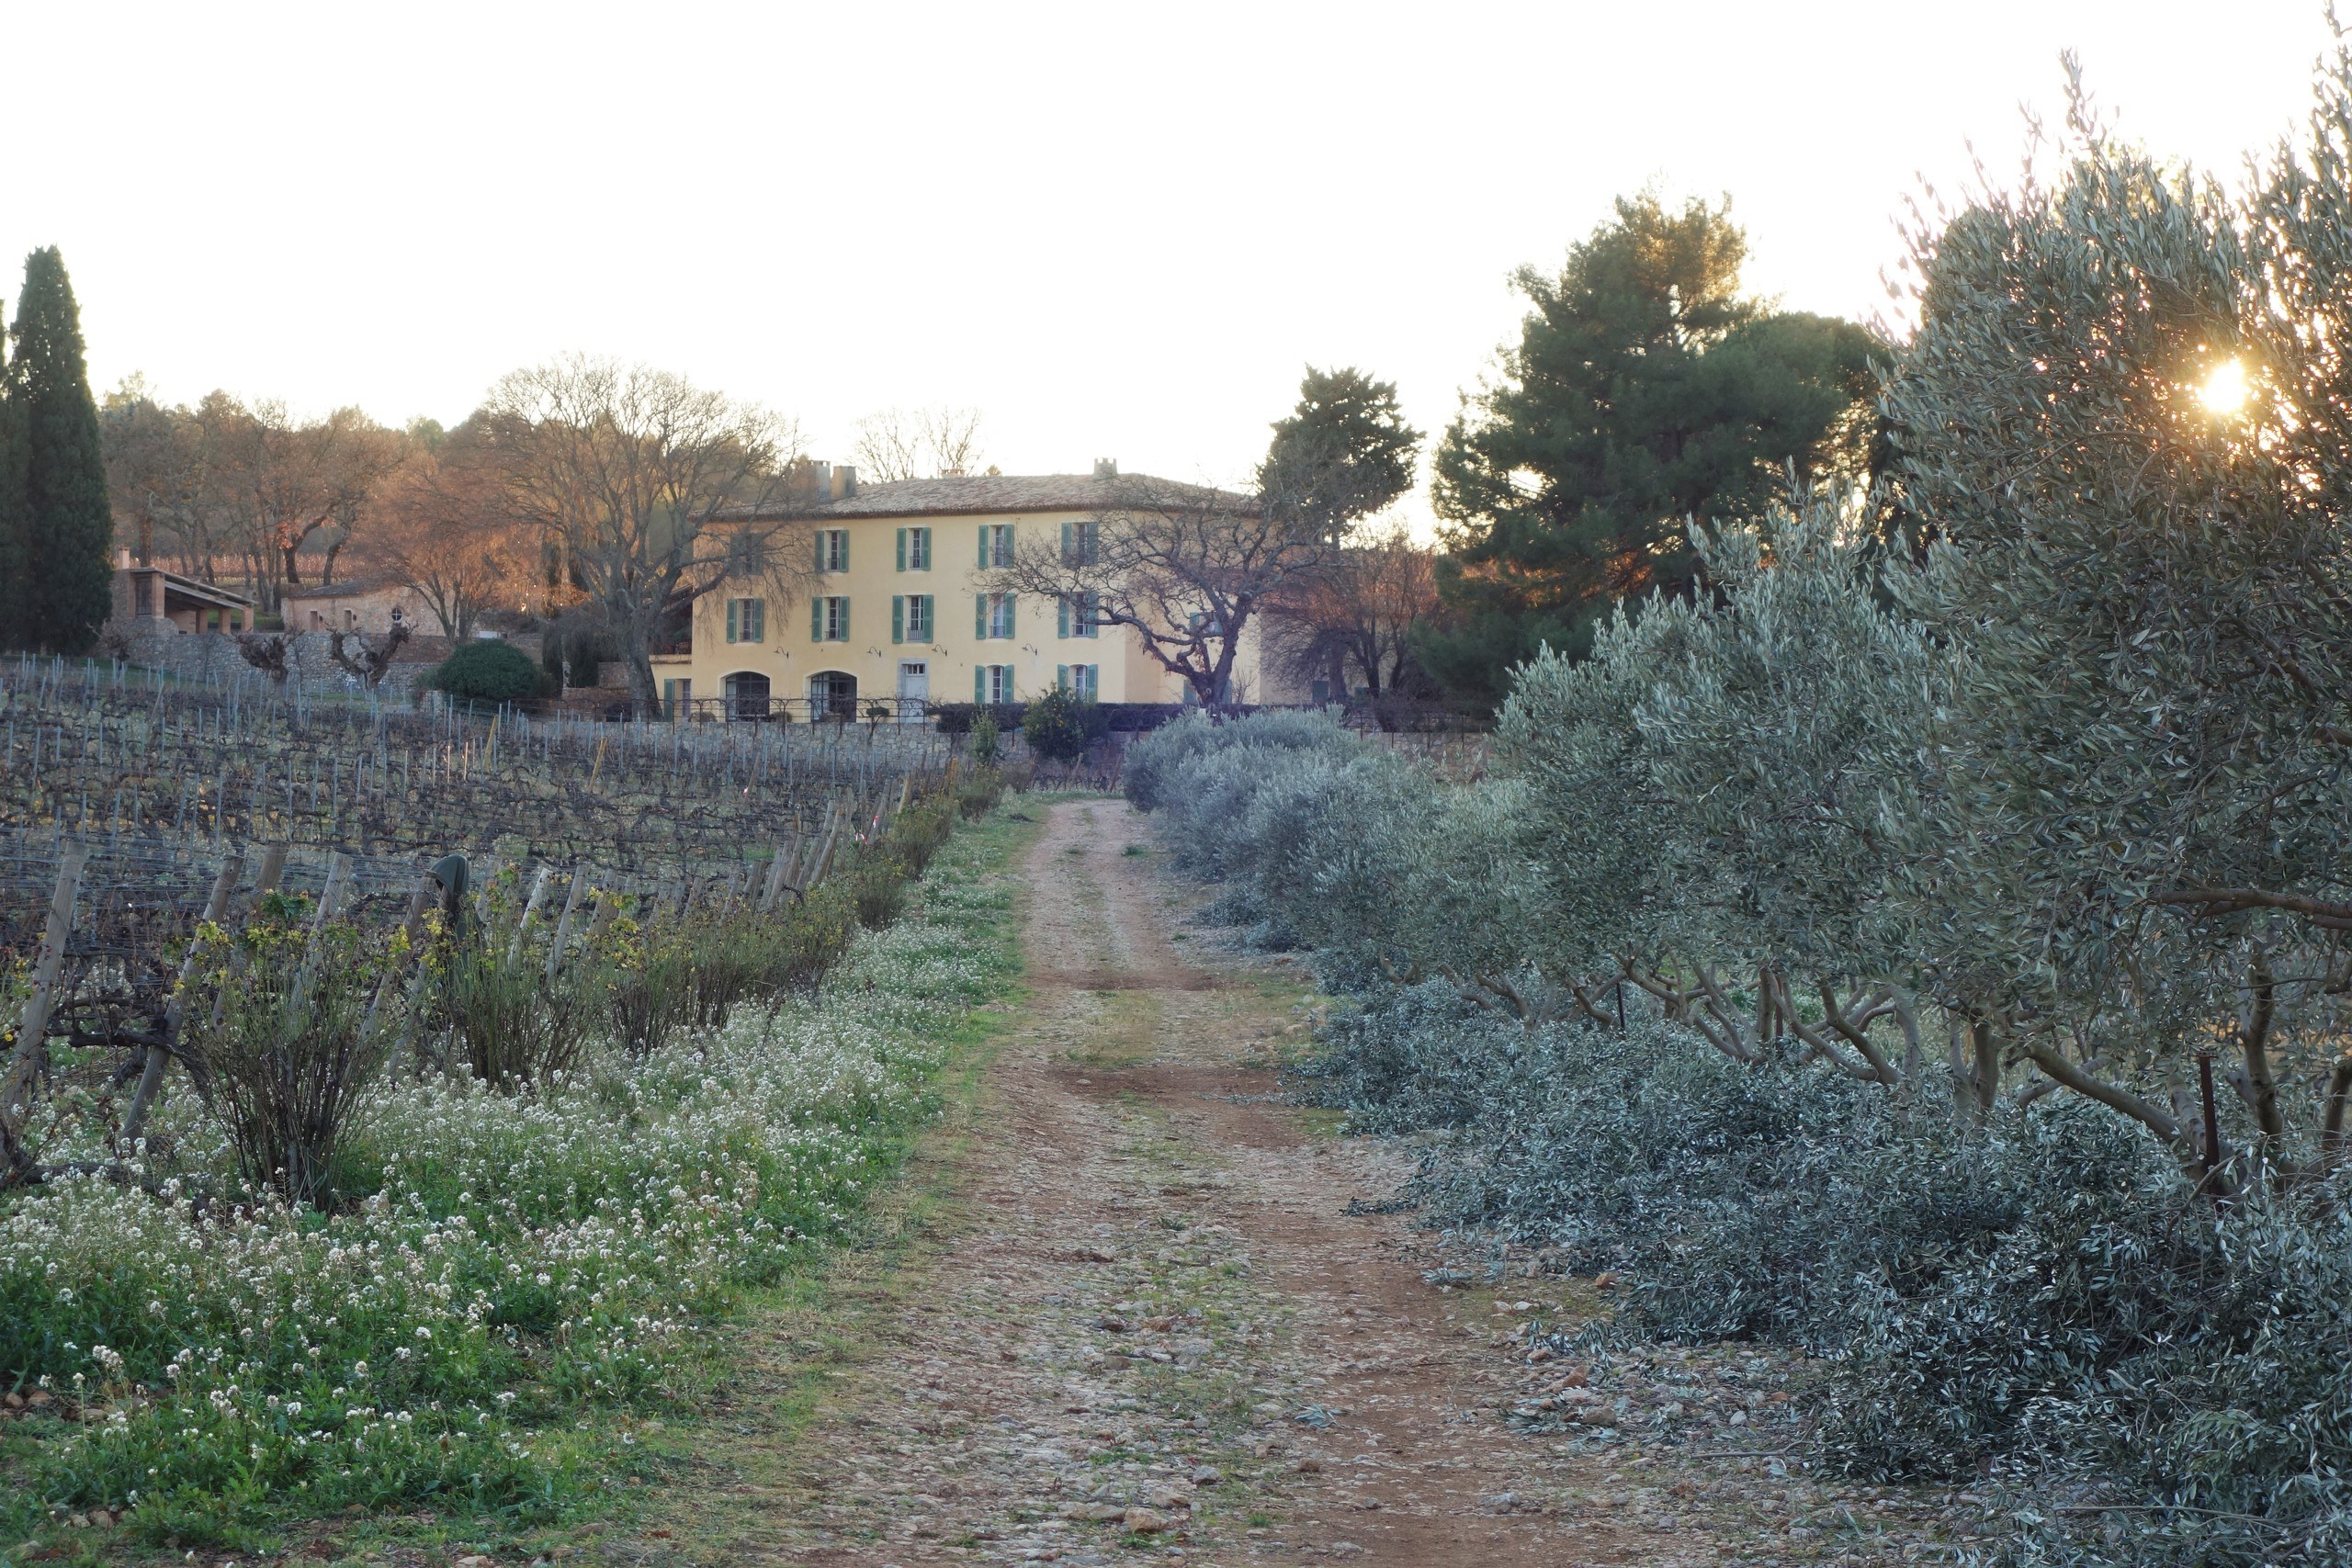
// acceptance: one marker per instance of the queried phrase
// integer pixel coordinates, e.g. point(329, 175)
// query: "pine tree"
point(16, 549)
point(1646, 393)
point(69, 526)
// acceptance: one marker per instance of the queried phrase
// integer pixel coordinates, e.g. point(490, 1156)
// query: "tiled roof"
point(194, 588)
point(342, 587)
point(974, 493)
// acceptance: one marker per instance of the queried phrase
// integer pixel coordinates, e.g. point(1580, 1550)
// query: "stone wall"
point(214, 657)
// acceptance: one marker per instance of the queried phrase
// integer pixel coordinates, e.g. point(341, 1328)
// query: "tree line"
point(1649, 395)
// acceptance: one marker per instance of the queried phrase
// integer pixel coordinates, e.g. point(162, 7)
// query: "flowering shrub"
point(507, 1257)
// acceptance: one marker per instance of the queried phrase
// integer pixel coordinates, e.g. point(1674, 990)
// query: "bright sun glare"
point(2225, 388)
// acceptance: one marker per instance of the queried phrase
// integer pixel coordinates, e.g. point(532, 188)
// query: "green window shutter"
point(980, 682)
point(732, 619)
point(758, 610)
point(984, 544)
point(820, 549)
point(981, 616)
point(902, 549)
point(1010, 602)
point(1061, 671)
point(1067, 559)
point(816, 618)
point(897, 617)
point(844, 625)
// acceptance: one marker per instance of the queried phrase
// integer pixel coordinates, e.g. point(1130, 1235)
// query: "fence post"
point(33, 1025)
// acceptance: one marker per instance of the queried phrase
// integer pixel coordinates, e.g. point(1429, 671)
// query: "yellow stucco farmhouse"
point(888, 606)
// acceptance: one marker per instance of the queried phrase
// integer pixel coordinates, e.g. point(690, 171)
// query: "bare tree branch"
point(624, 470)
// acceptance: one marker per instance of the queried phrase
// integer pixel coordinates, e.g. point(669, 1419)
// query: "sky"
point(1118, 231)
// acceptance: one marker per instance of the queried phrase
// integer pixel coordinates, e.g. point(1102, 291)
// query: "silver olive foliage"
point(1837, 949)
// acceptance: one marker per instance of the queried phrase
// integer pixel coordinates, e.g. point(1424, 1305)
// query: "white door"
point(914, 689)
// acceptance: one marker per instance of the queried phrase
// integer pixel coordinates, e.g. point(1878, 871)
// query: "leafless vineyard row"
point(104, 755)
point(132, 811)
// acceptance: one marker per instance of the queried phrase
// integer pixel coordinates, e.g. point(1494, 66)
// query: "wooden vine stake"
point(564, 924)
point(159, 1054)
point(779, 873)
point(531, 911)
point(425, 895)
point(30, 1052)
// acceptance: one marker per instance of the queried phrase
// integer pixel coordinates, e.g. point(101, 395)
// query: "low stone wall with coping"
point(215, 656)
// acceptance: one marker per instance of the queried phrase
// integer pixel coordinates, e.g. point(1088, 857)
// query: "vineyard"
point(387, 1090)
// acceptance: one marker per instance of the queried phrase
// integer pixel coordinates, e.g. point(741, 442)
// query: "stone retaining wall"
point(214, 656)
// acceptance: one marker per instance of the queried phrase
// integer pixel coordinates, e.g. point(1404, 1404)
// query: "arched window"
point(747, 695)
point(832, 694)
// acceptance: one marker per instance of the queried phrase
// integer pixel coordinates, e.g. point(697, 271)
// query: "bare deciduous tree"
point(364, 659)
point(226, 481)
point(623, 469)
point(312, 475)
point(440, 525)
point(917, 444)
point(1352, 624)
point(1187, 568)
point(1184, 566)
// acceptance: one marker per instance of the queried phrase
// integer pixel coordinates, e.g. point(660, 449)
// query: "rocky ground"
point(1158, 1311)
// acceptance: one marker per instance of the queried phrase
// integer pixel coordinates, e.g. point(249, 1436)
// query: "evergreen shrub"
point(489, 672)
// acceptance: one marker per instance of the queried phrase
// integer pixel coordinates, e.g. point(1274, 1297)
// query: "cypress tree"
point(69, 526)
point(17, 582)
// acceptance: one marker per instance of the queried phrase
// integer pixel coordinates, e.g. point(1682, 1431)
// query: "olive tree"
point(2142, 577)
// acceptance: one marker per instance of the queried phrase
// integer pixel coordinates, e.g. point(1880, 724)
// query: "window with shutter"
point(919, 550)
point(918, 617)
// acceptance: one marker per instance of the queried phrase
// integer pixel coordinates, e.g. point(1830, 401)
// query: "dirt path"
point(1163, 1323)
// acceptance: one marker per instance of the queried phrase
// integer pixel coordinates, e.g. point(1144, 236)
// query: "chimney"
point(1106, 467)
point(844, 481)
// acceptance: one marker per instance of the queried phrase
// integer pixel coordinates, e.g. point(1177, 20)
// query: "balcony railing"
point(747, 709)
